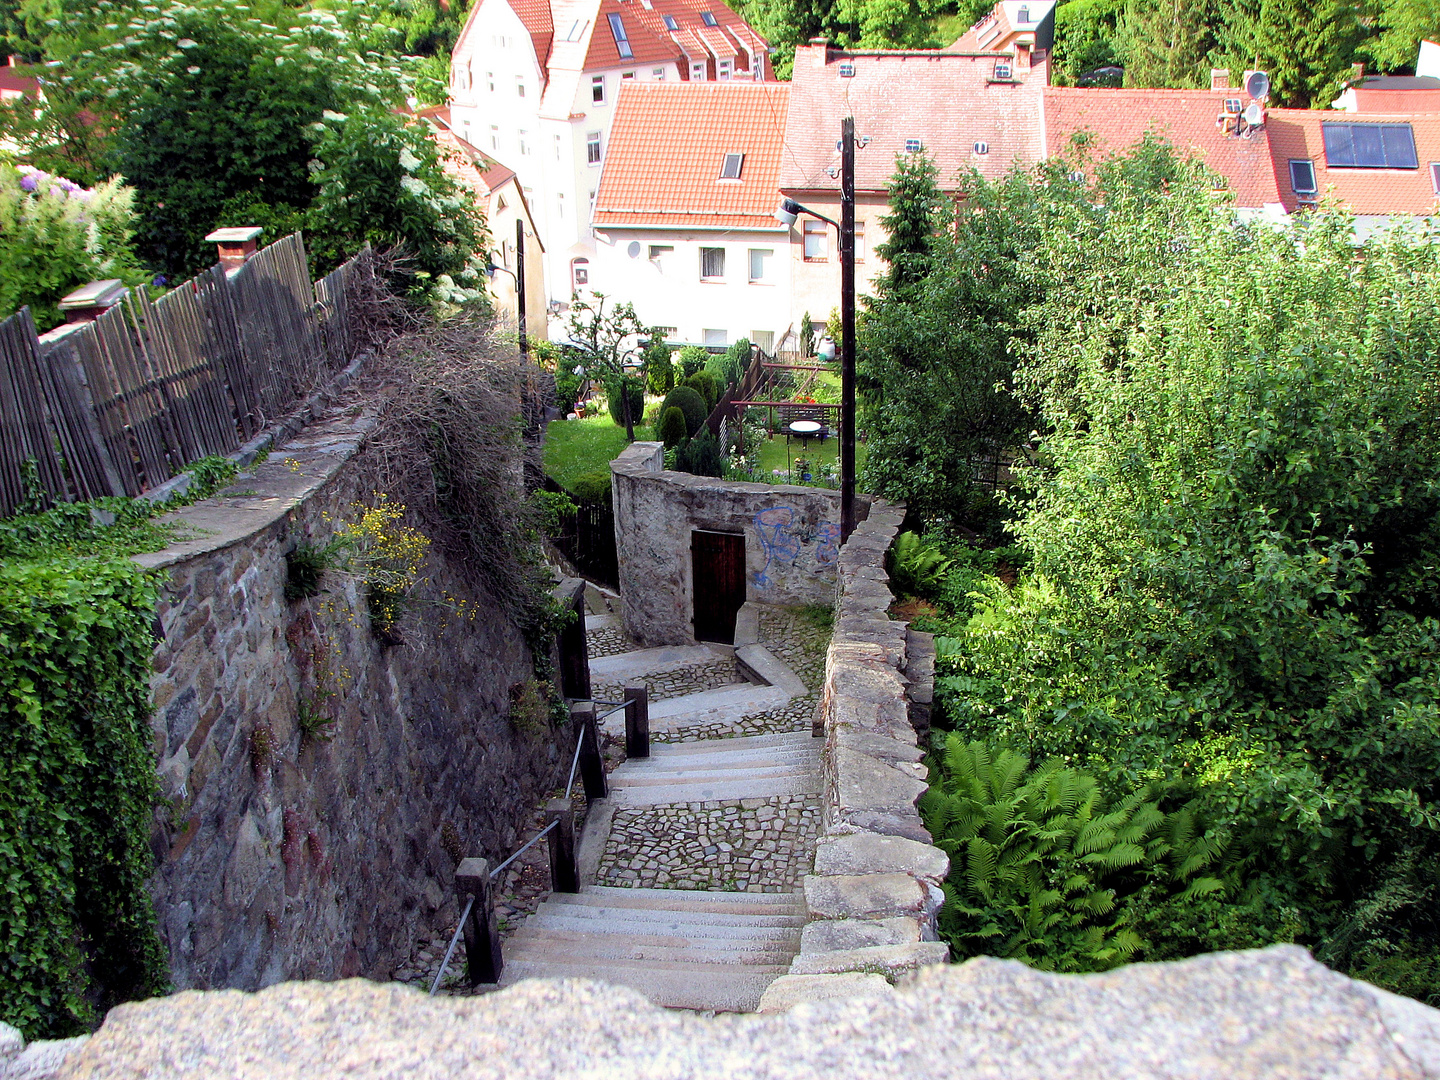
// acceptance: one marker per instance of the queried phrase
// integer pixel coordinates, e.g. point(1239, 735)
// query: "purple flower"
point(158, 281)
point(29, 183)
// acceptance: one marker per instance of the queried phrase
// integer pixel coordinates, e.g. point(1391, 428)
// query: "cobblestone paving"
point(676, 683)
point(743, 845)
point(608, 641)
point(797, 715)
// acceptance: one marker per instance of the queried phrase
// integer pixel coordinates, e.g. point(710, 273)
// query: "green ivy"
point(77, 782)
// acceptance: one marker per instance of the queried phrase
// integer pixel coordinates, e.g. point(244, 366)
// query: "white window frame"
point(519, 85)
point(597, 89)
point(712, 252)
point(592, 148)
point(766, 257)
point(859, 241)
point(658, 74)
point(818, 234)
point(732, 167)
point(715, 339)
point(699, 71)
point(1314, 182)
point(722, 70)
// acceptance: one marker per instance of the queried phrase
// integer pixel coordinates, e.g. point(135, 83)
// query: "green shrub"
point(728, 366)
point(706, 385)
point(1042, 866)
point(692, 359)
point(917, 567)
point(659, 366)
point(636, 390)
point(701, 456)
point(567, 389)
point(592, 487)
point(688, 400)
point(671, 431)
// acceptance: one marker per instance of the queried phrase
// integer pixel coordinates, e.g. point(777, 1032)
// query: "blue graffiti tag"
point(782, 539)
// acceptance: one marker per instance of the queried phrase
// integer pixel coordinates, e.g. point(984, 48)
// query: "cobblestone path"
point(676, 683)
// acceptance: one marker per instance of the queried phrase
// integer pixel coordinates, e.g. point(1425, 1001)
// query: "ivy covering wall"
point(77, 783)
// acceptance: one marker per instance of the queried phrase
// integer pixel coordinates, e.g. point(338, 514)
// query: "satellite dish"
point(1254, 114)
point(634, 249)
point(1257, 85)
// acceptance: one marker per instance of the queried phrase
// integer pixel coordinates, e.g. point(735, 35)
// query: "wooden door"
point(718, 583)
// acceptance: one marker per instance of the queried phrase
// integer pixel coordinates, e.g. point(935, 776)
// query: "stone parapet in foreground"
point(1272, 1013)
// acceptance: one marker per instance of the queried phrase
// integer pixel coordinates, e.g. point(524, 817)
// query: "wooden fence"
point(120, 405)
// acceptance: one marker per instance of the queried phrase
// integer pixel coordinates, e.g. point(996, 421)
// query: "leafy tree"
point(706, 385)
point(659, 365)
point(1166, 42)
point(622, 396)
point(606, 343)
point(1402, 25)
point(1084, 39)
point(693, 358)
point(916, 206)
point(1306, 46)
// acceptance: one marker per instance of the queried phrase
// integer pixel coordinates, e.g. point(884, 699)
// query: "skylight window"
point(982, 147)
point(1369, 146)
point(847, 70)
point(617, 27)
point(671, 24)
point(912, 146)
point(1302, 177)
point(731, 166)
point(1234, 106)
point(577, 30)
point(708, 18)
point(1002, 71)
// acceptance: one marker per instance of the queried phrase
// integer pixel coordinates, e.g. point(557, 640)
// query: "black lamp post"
point(519, 275)
point(787, 213)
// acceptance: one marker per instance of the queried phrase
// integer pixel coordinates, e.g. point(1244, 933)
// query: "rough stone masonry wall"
point(287, 857)
point(875, 891)
point(792, 541)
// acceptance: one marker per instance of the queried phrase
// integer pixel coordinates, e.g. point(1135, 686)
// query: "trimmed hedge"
point(688, 400)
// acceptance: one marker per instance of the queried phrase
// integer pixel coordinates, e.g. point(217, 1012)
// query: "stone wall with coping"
point(875, 892)
point(284, 856)
point(792, 541)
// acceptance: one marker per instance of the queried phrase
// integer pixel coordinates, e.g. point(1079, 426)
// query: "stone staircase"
point(680, 948)
point(756, 766)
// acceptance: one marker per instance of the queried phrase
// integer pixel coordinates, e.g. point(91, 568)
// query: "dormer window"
point(731, 166)
point(671, 24)
point(708, 18)
point(912, 146)
point(1002, 71)
point(1302, 177)
point(617, 27)
point(1022, 17)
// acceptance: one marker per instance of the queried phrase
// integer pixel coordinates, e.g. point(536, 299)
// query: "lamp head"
point(787, 212)
point(490, 267)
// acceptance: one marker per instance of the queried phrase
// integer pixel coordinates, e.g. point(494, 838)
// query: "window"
point(495, 137)
point(982, 147)
point(1369, 146)
point(724, 70)
point(557, 147)
point(708, 19)
point(501, 204)
point(560, 204)
point(597, 89)
point(731, 166)
point(671, 24)
point(712, 264)
point(847, 70)
point(668, 333)
point(764, 340)
point(1302, 177)
point(592, 148)
point(1002, 71)
point(658, 74)
point(1435, 176)
point(817, 241)
point(519, 86)
point(627, 75)
point(912, 146)
point(659, 251)
point(859, 241)
point(760, 263)
point(715, 338)
point(617, 27)
point(580, 273)
point(697, 71)
point(524, 144)
point(1234, 106)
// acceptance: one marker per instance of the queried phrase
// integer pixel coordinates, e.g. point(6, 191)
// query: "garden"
point(1189, 653)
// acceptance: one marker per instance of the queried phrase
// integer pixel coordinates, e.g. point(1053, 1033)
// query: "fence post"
point(564, 870)
point(592, 766)
point(637, 721)
point(482, 930)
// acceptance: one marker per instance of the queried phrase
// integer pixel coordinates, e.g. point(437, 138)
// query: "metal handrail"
point(451, 950)
point(528, 845)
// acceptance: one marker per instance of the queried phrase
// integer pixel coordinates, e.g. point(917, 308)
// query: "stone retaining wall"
point(282, 855)
point(791, 541)
point(876, 888)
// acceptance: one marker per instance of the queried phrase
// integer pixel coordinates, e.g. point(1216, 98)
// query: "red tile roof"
point(1396, 101)
point(667, 143)
point(15, 84)
point(949, 101)
point(652, 43)
point(535, 14)
point(1116, 119)
point(1295, 134)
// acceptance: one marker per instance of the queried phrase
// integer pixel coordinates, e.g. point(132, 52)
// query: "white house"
point(684, 219)
point(534, 83)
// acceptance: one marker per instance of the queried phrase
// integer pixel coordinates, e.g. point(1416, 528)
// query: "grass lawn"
point(576, 447)
point(773, 453)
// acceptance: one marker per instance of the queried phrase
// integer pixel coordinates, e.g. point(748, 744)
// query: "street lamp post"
point(519, 275)
point(787, 213)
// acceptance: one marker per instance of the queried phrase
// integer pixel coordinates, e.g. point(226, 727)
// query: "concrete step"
point(673, 900)
point(698, 922)
point(564, 946)
point(777, 740)
point(755, 928)
point(626, 776)
point(719, 790)
point(718, 987)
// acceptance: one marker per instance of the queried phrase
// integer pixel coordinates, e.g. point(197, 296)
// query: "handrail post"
point(592, 766)
point(564, 870)
point(637, 720)
point(482, 930)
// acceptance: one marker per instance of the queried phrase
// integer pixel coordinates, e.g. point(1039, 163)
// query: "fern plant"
point(1041, 864)
point(918, 567)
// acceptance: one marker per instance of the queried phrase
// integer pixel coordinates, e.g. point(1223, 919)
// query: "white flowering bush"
point(56, 235)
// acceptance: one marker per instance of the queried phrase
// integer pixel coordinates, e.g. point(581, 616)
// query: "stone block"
point(11, 1042)
point(862, 896)
point(864, 783)
point(42, 1060)
point(835, 935)
point(904, 823)
point(892, 961)
point(872, 853)
point(791, 990)
point(893, 751)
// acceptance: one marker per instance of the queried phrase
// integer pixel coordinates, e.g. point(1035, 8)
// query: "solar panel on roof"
point(1369, 146)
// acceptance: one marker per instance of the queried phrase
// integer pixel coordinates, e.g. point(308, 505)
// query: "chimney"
point(1022, 56)
point(1357, 71)
point(1219, 78)
point(821, 53)
point(89, 302)
point(235, 245)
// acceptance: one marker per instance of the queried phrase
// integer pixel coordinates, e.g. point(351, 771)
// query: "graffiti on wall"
point(785, 538)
